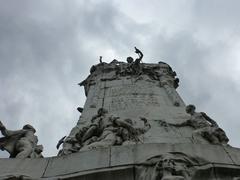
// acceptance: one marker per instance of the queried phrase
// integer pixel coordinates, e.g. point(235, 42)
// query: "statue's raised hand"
point(137, 50)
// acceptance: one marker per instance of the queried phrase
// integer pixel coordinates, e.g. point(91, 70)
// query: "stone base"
point(133, 162)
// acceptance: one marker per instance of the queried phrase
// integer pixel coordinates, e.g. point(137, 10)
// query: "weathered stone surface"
point(97, 162)
point(135, 154)
point(206, 172)
point(33, 168)
point(134, 111)
point(116, 173)
point(132, 90)
point(209, 153)
point(78, 162)
point(234, 154)
point(128, 95)
point(227, 172)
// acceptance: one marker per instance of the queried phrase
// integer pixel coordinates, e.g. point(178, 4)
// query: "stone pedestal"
point(164, 147)
point(208, 162)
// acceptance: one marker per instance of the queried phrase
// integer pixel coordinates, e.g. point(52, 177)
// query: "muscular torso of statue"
point(198, 121)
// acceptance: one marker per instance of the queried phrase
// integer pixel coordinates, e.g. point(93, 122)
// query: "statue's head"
point(29, 127)
point(130, 59)
point(190, 109)
point(102, 111)
point(168, 164)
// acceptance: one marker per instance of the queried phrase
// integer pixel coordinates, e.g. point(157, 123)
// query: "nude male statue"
point(134, 66)
point(204, 126)
point(20, 143)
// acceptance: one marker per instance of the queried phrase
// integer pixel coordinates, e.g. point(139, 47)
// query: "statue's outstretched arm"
point(186, 123)
point(139, 53)
point(124, 124)
point(7, 133)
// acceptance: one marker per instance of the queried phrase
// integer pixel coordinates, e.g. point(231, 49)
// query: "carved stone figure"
point(21, 143)
point(131, 136)
point(204, 126)
point(134, 67)
point(97, 125)
point(37, 152)
point(140, 54)
point(103, 131)
point(70, 143)
point(116, 132)
point(108, 135)
point(75, 141)
point(168, 166)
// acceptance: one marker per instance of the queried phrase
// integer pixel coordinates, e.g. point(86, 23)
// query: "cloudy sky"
point(47, 48)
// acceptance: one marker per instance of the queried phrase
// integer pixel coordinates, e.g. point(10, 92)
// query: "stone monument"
point(135, 126)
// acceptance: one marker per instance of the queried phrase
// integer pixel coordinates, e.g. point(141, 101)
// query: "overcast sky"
point(47, 48)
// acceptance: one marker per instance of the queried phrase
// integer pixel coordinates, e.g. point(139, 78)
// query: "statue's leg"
point(210, 135)
point(25, 149)
point(67, 149)
point(89, 133)
point(108, 139)
point(198, 137)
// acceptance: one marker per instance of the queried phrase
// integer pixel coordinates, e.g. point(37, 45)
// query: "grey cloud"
point(217, 14)
point(45, 50)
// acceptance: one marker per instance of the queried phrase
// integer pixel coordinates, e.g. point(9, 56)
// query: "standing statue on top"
point(134, 66)
point(20, 143)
